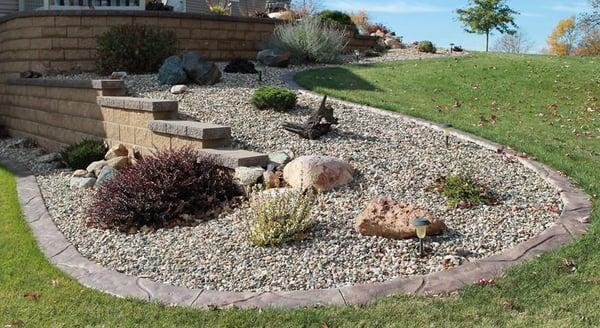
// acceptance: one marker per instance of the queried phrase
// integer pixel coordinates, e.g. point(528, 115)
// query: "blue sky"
point(435, 20)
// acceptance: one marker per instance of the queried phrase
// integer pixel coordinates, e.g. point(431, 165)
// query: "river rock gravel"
point(392, 157)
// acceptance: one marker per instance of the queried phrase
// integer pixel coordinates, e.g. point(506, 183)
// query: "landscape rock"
point(200, 71)
point(241, 66)
point(179, 89)
point(386, 217)
point(320, 172)
point(279, 157)
point(82, 182)
point(118, 163)
point(118, 150)
point(79, 173)
point(96, 167)
point(274, 58)
point(393, 43)
point(171, 72)
point(248, 176)
point(106, 174)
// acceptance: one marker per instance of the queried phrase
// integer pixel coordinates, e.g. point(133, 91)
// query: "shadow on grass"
point(340, 78)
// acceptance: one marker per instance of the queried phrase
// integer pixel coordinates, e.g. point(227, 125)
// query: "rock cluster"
point(97, 173)
point(388, 40)
point(274, 58)
point(189, 68)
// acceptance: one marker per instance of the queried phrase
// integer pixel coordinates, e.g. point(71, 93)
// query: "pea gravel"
point(393, 158)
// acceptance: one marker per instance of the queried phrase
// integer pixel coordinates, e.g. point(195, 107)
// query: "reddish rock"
point(320, 172)
point(386, 217)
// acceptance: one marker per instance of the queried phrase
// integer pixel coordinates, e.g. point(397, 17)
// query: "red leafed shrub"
point(167, 189)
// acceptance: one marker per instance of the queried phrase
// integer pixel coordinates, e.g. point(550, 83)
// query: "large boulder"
point(96, 167)
point(248, 176)
point(386, 217)
point(320, 172)
point(199, 71)
point(274, 58)
point(171, 72)
point(106, 174)
point(118, 163)
point(117, 150)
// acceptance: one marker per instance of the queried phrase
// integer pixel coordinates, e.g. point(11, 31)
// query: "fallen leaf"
point(32, 296)
point(15, 324)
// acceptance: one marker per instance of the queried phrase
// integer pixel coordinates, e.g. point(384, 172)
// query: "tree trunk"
point(487, 41)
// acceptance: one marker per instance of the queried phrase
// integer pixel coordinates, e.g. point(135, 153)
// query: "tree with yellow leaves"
point(562, 41)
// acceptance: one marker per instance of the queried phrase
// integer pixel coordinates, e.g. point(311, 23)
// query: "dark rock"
point(240, 66)
point(30, 75)
point(171, 72)
point(199, 71)
point(274, 58)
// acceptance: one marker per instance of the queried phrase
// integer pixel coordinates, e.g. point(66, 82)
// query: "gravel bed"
point(393, 158)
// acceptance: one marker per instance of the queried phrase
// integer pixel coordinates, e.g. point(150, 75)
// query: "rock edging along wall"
point(65, 40)
point(56, 113)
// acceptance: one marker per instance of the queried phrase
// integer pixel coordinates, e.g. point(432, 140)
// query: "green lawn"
point(535, 104)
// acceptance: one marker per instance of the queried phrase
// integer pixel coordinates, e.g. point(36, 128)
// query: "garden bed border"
point(571, 224)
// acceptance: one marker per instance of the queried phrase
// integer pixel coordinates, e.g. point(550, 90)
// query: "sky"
point(435, 20)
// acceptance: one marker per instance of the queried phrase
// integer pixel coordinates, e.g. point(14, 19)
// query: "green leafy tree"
point(485, 16)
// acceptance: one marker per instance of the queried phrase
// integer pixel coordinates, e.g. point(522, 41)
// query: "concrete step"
point(233, 158)
point(191, 129)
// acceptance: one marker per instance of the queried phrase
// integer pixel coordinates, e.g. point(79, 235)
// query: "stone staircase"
point(212, 139)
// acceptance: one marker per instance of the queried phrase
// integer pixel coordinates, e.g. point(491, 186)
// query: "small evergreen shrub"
point(80, 155)
point(133, 48)
point(173, 187)
point(463, 192)
point(310, 40)
point(339, 19)
point(271, 97)
point(426, 46)
point(280, 218)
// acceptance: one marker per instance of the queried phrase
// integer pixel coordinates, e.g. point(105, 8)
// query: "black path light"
point(260, 67)
point(421, 225)
point(451, 47)
point(357, 55)
point(446, 128)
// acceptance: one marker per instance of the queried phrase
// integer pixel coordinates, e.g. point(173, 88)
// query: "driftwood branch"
point(314, 127)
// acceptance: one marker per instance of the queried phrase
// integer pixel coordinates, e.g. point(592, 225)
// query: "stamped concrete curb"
point(572, 223)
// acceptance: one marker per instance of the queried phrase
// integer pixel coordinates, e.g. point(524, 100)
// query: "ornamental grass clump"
point(79, 156)
point(272, 97)
point(280, 218)
point(310, 40)
point(427, 47)
point(463, 192)
point(169, 188)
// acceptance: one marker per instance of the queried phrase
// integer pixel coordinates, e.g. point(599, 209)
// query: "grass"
point(536, 104)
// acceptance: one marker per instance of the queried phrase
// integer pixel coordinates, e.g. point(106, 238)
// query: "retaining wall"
point(56, 113)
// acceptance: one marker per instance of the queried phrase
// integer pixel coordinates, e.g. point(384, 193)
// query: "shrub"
point(463, 192)
point(133, 48)
point(280, 218)
point(426, 46)
point(271, 97)
point(218, 10)
point(156, 5)
point(173, 187)
point(80, 155)
point(310, 40)
point(260, 14)
point(338, 19)
point(373, 28)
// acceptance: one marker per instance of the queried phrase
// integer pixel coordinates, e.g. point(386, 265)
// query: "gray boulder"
point(274, 58)
point(82, 182)
point(49, 158)
point(106, 174)
point(248, 176)
point(200, 71)
point(171, 72)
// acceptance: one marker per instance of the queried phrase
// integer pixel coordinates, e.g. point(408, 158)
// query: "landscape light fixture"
point(260, 68)
point(451, 47)
point(357, 55)
point(421, 225)
point(446, 129)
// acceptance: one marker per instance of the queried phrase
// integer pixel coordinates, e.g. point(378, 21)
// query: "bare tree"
point(592, 19)
point(305, 8)
point(517, 43)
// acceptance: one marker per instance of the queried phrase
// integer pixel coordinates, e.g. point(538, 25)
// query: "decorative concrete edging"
point(572, 223)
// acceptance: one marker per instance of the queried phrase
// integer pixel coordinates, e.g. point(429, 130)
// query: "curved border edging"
point(571, 224)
